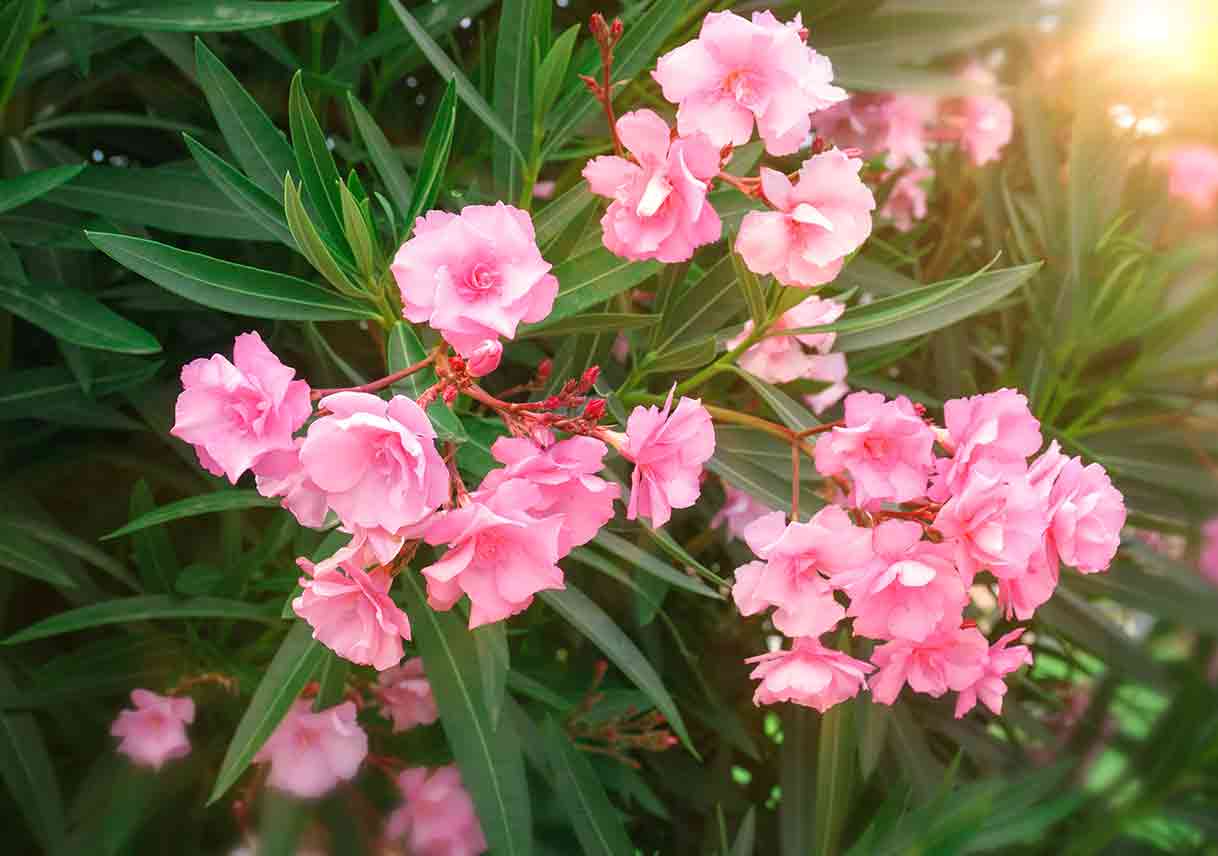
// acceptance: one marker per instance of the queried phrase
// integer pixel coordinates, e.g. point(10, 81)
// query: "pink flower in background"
point(659, 209)
point(912, 589)
point(1193, 175)
point(485, 358)
point(668, 448)
point(437, 817)
point(1087, 514)
point(310, 753)
point(352, 614)
point(738, 511)
point(1000, 661)
point(885, 446)
point(280, 473)
point(405, 696)
point(739, 71)
point(888, 124)
point(799, 561)
point(155, 731)
point(950, 660)
point(818, 221)
point(809, 674)
point(498, 553)
point(376, 460)
point(906, 203)
point(985, 121)
point(832, 370)
point(996, 427)
point(1209, 549)
point(234, 413)
point(565, 475)
point(782, 359)
point(995, 521)
point(474, 276)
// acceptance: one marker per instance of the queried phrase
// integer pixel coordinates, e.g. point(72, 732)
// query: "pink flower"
point(1209, 549)
point(885, 446)
point(485, 358)
point(155, 731)
point(405, 696)
point(996, 427)
point(809, 674)
point(782, 359)
point(437, 817)
point(234, 413)
point(352, 614)
point(668, 450)
point(985, 121)
point(890, 124)
point(498, 553)
point(819, 221)
point(950, 660)
point(474, 276)
point(738, 511)
point(1193, 175)
point(906, 202)
point(659, 208)
point(564, 474)
point(1087, 514)
point(280, 473)
point(830, 369)
point(912, 589)
point(1000, 661)
point(1022, 593)
point(310, 753)
point(798, 559)
point(376, 461)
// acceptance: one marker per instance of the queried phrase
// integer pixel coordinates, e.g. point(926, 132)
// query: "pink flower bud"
point(485, 358)
point(588, 380)
point(450, 395)
point(595, 408)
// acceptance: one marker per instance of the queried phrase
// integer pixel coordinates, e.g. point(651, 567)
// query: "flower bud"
point(544, 368)
point(450, 395)
point(485, 358)
point(588, 380)
point(595, 409)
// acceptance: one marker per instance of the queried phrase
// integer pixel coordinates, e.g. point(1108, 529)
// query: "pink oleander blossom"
point(376, 461)
point(405, 696)
point(739, 510)
point(885, 446)
point(808, 674)
point(907, 200)
point(234, 413)
point(1001, 660)
point(1193, 175)
point(154, 732)
point(280, 473)
point(1086, 516)
point(950, 660)
point(659, 208)
point(437, 816)
point(1209, 550)
point(782, 359)
point(817, 222)
point(311, 753)
point(474, 276)
point(830, 369)
point(498, 553)
point(565, 475)
point(668, 448)
point(485, 358)
point(1022, 593)
point(985, 122)
point(352, 614)
point(741, 71)
point(881, 124)
point(996, 427)
point(799, 560)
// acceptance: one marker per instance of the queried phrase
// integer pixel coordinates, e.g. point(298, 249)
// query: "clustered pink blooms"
point(738, 511)
point(907, 540)
point(907, 200)
point(405, 696)
point(155, 730)
point(436, 817)
point(1193, 175)
point(310, 753)
point(1209, 550)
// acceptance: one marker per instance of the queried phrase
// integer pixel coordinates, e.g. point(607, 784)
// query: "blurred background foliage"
point(113, 122)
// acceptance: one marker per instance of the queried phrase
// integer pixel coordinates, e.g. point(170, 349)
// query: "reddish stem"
point(380, 384)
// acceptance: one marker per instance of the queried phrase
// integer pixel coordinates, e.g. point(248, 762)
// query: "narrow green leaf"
point(384, 159)
point(701, 307)
point(15, 192)
point(359, 238)
point(310, 243)
point(331, 681)
point(314, 161)
point(692, 354)
point(34, 393)
point(793, 414)
point(590, 620)
point(17, 22)
point(227, 286)
point(405, 349)
point(751, 287)
point(513, 92)
point(293, 666)
point(142, 608)
point(435, 157)
point(643, 561)
point(494, 661)
point(261, 207)
point(75, 316)
point(207, 16)
point(21, 553)
point(154, 555)
point(589, 322)
point(110, 120)
point(222, 500)
point(25, 766)
point(258, 145)
point(52, 535)
point(281, 823)
point(492, 767)
point(582, 796)
point(836, 773)
point(746, 835)
point(559, 213)
point(797, 777)
point(593, 278)
point(449, 71)
point(553, 71)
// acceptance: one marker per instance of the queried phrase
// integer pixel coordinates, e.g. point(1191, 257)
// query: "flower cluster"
point(904, 543)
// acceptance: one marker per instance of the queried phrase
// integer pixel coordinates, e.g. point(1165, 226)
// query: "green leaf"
point(793, 414)
point(310, 243)
point(261, 207)
point(227, 286)
point(17, 22)
point(221, 500)
point(435, 157)
point(110, 120)
point(682, 357)
point(590, 620)
point(142, 608)
point(207, 16)
point(25, 766)
point(384, 159)
point(293, 666)
point(52, 535)
point(553, 71)
point(700, 307)
point(643, 561)
point(494, 661)
point(258, 145)
point(583, 798)
point(746, 835)
point(836, 773)
point(560, 212)
point(314, 161)
point(405, 349)
point(37, 393)
point(449, 71)
point(15, 192)
point(331, 681)
point(751, 287)
point(76, 317)
point(23, 554)
point(593, 278)
point(281, 823)
point(513, 92)
point(358, 233)
point(589, 322)
point(492, 767)
point(797, 777)
point(154, 554)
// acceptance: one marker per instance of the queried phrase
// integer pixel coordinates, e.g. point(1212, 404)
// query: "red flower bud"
point(595, 409)
point(588, 380)
point(450, 394)
point(544, 368)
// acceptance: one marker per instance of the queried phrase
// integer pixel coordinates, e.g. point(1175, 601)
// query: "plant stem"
point(380, 384)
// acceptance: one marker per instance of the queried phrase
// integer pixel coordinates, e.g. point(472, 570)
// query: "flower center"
point(654, 194)
point(490, 547)
point(743, 86)
point(481, 279)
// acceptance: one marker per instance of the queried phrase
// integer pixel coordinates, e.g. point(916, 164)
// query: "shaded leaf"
point(583, 798)
point(209, 503)
point(141, 608)
point(207, 16)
